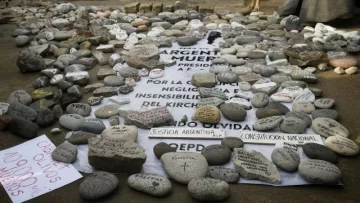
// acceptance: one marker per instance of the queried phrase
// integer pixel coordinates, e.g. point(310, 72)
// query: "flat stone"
point(317, 151)
point(260, 100)
point(326, 113)
point(49, 72)
point(208, 114)
point(303, 106)
point(114, 81)
point(227, 77)
point(301, 115)
point(306, 95)
point(327, 127)
point(250, 77)
point(184, 166)
point(114, 120)
point(233, 111)
point(268, 71)
point(211, 92)
point(245, 103)
point(162, 148)
point(93, 101)
point(92, 87)
point(128, 132)
point(294, 90)
point(243, 70)
point(71, 121)
point(57, 111)
point(286, 159)
point(228, 175)
point(264, 86)
point(105, 91)
point(93, 125)
point(254, 165)
point(267, 112)
point(342, 145)
point(324, 103)
point(20, 96)
point(303, 75)
point(203, 79)
point(19, 110)
point(56, 78)
point(152, 118)
point(41, 82)
point(280, 78)
point(145, 51)
point(128, 72)
point(210, 101)
point(103, 72)
point(80, 137)
point(74, 91)
point(187, 40)
point(79, 108)
point(218, 68)
point(282, 97)
point(125, 89)
point(244, 86)
point(55, 131)
point(116, 155)
point(268, 123)
point(293, 125)
point(216, 154)
point(98, 185)
point(319, 171)
point(5, 121)
point(209, 189)
point(293, 83)
point(65, 152)
point(232, 142)
point(23, 128)
point(152, 184)
point(45, 92)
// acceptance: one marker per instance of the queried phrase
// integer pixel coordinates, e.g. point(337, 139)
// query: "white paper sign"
point(28, 171)
point(187, 133)
point(273, 138)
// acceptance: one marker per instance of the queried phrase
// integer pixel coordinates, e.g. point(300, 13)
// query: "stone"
point(211, 92)
point(105, 91)
point(23, 128)
point(65, 152)
point(248, 39)
point(280, 78)
point(303, 75)
point(228, 175)
point(3, 108)
point(342, 145)
point(351, 70)
point(260, 100)
point(145, 51)
point(203, 80)
point(75, 68)
point(41, 82)
point(98, 185)
point(293, 125)
point(79, 108)
point(316, 91)
point(218, 68)
point(208, 114)
point(57, 111)
point(243, 70)
point(339, 71)
point(132, 7)
point(267, 112)
point(187, 40)
point(216, 154)
point(56, 78)
point(80, 137)
point(227, 77)
point(152, 118)
point(343, 61)
point(71, 121)
point(321, 152)
point(45, 117)
point(232, 143)
point(303, 106)
point(128, 132)
point(319, 171)
point(20, 96)
point(306, 95)
point(264, 86)
point(74, 91)
point(233, 111)
point(268, 123)
point(244, 86)
point(45, 92)
point(162, 148)
point(107, 111)
point(254, 165)
point(285, 159)
point(55, 131)
point(22, 40)
point(209, 189)
point(279, 106)
point(29, 61)
point(114, 120)
point(267, 71)
point(50, 72)
point(210, 101)
point(93, 125)
point(116, 156)
point(103, 72)
point(152, 184)
point(128, 72)
point(324, 103)
point(293, 83)
point(78, 78)
point(305, 52)
point(184, 166)
point(92, 87)
point(19, 110)
point(282, 97)
point(156, 73)
point(326, 113)
point(327, 127)
point(301, 115)
point(114, 81)
point(294, 90)
point(93, 101)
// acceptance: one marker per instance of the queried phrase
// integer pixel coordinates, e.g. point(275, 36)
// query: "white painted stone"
point(282, 97)
point(351, 70)
point(156, 73)
point(339, 70)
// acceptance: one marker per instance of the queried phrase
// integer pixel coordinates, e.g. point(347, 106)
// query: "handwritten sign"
point(187, 133)
point(28, 171)
point(274, 138)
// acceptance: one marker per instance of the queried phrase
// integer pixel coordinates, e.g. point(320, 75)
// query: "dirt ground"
point(344, 89)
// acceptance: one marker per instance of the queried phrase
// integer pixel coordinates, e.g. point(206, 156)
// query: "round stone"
point(22, 40)
point(20, 96)
point(301, 115)
point(97, 185)
point(343, 61)
point(233, 111)
point(114, 81)
point(65, 152)
point(107, 111)
point(282, 97)
point(342, 145)
point(286, 159)
point(208, 189)
point(326, 113)
point(79, 108)
point(303, 106)
point(268, 123)
point(116, 132)
point(318, 151)
point(93, 125)
point(327, 127)
point(128, 72)
point(71, 121)
point(216, 154)
point(324, 103)
point(208, 114)
point(260, 100)
point(227, 77)
point(228, 175)
point(156, 73)
point(293, 125)
point(244, 86)
point(152, 184)
point(319, 171)
point(279, 106)
point(41, 82)
point(162, 148)
point(267, 112)
point(232, 142)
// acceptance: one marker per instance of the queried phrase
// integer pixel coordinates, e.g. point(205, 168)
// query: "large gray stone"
point(98, 185)
point(232, 142)
point(152, 184)
point(319, 171)
point(152, 118)
point(71, 121)
point(65, 152)
point(209, 189)
point(107, 111)
point(80, 137)
point(327, 113)
point(211, 92)
point(233, 111)
point(20, 96)
point(45, 117)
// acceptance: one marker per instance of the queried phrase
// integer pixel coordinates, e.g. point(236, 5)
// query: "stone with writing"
point(327, 113)
point(260, 100)
point(92, 87)
point(203, 80)
point(254, 165)
point(301, 115)
point(318, 151)
point(293, 90)
point(19, 110)
point(219, 68)
point(303, 106)
point(79, 78)
point(145, 51)
point(267, 112)
point(208, 114)
point(105, 91)
point(79, 108)
point(113, 80)
point(228, 175)
point(264, 86)
point(293, 125)
point(128, 132)
point(152, 184)
point(293, 83)
point(244, 86)
point(233, 111)
point(342, 145)
point(116, 155)
point(216, 154)
point(242, 70)
point(128, 72)
point(279, 106)
point(162, 148)
point(327, 127)
point(80, 137)
point(4, 108)
point(209, 189)
point(250, 77)
point(20, 96)
point(268, 123)
point(285, 159)
point(114, 120)
point(103, 72)
point(98, 185)
point(303, 75)
point(319, 171)
point(227, 77)
point(324, 103)
point(184, 166)
point(156, 73)
point(210, 101)
point(282, 97)
point(93, 125)
point(306, 95)
point(232, 142)
point(211, 92)
point(65, 152)
point(71, 121)
point(280, 78)
point(156, 117)
point(93, 101)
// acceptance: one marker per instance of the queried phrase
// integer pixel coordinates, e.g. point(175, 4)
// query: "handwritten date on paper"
point(28, 171)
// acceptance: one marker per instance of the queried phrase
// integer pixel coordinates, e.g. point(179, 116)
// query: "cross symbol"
point(184, 165)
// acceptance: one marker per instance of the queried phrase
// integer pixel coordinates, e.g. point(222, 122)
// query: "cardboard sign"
point(28, 171)
point(187, 133)
point(274, 138)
